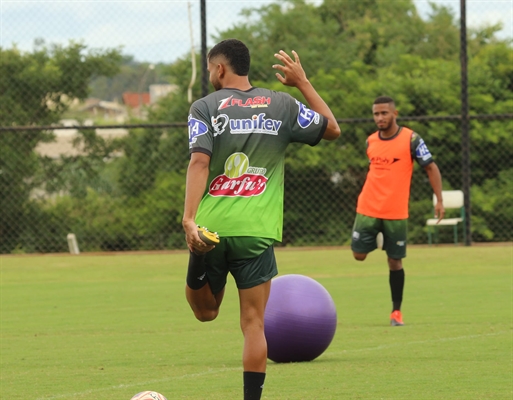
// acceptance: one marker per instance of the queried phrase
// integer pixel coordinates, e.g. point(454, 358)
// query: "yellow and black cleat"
point(210, 238)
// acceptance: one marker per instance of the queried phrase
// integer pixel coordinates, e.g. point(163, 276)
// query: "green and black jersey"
point(246, 133)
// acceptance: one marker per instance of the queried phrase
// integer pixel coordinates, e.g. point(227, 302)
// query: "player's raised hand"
point(293, 72)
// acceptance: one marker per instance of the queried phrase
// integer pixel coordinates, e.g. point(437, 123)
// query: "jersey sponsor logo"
point(253, 102)
point(219, 123)
point(255, 124)
point(422, 151)
point(306, 116)
point(246, 185)
point(239, 178)
point(196, 128)
point(383, 161)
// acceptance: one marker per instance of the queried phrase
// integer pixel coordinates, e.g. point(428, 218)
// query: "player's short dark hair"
point(384, 100)
point(235, 52)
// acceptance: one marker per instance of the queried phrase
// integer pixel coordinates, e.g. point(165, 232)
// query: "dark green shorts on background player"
point(366, 229)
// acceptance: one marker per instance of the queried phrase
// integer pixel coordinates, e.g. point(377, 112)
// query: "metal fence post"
point(465, 137)
point(204, 72)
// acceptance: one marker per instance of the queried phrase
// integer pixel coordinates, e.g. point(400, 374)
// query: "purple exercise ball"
point(300, 319)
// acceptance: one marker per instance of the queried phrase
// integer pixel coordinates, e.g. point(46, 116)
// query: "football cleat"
point(396, 318)
point(210, 238)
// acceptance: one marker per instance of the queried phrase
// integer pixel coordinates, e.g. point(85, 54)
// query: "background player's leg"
point(396, 280)
point(254, 358)
point(395, 235)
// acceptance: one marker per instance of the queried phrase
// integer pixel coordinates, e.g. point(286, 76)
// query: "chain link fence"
point(94, 105)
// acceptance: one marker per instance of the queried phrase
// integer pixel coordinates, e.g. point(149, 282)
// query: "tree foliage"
point(35, 89)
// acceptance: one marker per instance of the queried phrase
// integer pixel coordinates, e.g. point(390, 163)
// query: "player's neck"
point(388, 133)
point(237, 82)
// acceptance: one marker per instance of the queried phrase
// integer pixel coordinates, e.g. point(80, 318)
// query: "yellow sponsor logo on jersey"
point(236, 165)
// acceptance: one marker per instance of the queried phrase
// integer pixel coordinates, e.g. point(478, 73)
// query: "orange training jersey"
point(386, 191)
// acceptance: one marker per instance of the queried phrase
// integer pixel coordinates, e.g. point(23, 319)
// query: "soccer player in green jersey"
point(237, 141)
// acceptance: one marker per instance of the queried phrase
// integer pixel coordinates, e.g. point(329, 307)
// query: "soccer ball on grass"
point(148, 395)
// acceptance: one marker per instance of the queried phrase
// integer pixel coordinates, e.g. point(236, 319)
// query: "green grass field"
point(107, 327)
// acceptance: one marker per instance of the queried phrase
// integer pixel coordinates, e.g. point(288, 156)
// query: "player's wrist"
point(304, 85)
point(188, 222)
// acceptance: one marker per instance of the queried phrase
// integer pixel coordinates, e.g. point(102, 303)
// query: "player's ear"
point(221, 70)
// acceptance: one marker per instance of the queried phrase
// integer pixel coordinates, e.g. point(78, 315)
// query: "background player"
point(383, 202)
point(237, 141)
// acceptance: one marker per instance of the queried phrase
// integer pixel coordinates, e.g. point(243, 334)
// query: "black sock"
point(196, 274)
point(253, 385)
point(396, 280)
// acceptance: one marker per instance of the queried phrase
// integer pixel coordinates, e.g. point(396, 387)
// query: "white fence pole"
point(72, 244)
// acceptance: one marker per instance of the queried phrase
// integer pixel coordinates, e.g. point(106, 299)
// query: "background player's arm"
point(295, 76)
point(435, 179)
point(197, 176)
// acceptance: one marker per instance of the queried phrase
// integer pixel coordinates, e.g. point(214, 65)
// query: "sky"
point(159, 30)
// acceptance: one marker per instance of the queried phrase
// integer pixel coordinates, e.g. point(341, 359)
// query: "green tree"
point(35, 89)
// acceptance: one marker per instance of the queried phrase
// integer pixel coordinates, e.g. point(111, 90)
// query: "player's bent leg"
point(204, 304)
point(252, 310)
point(359, 256)
point(204, 291)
